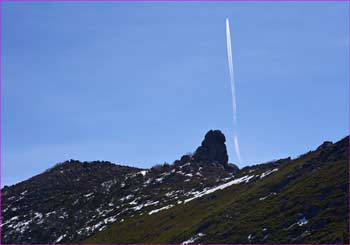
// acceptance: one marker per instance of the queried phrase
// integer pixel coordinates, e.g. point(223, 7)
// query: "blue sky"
point(141, 83)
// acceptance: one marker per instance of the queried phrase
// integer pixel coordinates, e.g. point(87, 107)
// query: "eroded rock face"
point(213, 148)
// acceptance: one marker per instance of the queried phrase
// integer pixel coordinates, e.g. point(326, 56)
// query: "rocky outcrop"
point(213, 148)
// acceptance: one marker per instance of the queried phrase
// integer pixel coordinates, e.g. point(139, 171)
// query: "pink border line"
point(0, 120)
point(125, 1)
point(348, 224)
point(183, 1)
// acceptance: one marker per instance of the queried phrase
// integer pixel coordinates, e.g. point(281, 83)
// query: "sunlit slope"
point(305, 201)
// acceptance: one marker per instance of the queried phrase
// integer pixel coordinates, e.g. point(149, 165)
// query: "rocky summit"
point(200, 198)
point(213, 148)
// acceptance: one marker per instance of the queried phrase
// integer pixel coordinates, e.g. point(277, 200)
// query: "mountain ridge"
point(78, 201)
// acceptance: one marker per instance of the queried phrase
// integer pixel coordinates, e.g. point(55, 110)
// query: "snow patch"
point(24, 192)
point(108, 184)
point(60, 238)
point(89, 194)
point(126, 198)
point(193, 239)
point(137, 208)
point(220, 187)
point(263, 175)
point(159, 179)
point(134, 202)
point(143, 172)
point(186, 164)
point(38, 215)
point(271, 194)
point(169, 194)
point(149, 203)
point(49, 213)
point(160, 209)
point(302, 221)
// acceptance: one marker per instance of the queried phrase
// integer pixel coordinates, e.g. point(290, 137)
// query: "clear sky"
point(141, 83)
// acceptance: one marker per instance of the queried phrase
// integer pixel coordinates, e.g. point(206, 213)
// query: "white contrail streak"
point(233, 90)
point(230, 66)
point(235, 140)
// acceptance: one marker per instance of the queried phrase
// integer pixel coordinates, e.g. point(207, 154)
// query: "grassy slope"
point(230, 215)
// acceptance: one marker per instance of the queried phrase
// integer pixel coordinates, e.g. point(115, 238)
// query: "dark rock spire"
point(213, 148)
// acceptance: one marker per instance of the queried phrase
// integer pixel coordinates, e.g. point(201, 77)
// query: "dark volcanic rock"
point(213, 148)
point(325, 145)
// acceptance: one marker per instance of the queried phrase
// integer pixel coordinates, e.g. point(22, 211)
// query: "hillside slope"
point(200, 198)
point(304, 201)
point(75, 199)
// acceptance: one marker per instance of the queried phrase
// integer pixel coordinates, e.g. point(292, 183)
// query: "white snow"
point(164, 174)
point(126, 198)
point(149, 203)
point(102, 228)
point(89, 194)
point(100, 225)
point(271, 194)
point(49, 213)
point(193, 239)
point(14, 218)
point(160, 209)
point(38, 215)
point(108, 184)
point(228, 178)
point(60, 238)
point(169, 194)
point(9, 221)
point(302, 221)
point(147, 182)
point(137, 208)
point(186, 164)
point(159, 179)
point(110, 219)
point(24, 192)
point(143, 172)
point(134, 202)
point(220, 187)
point(263, 175)
point(21, 226)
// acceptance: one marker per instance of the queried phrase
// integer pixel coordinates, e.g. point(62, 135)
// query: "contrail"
point(235, 140)
point(233, 90)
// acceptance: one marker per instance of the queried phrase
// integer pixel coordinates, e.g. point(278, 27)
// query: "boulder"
point(212, 149)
